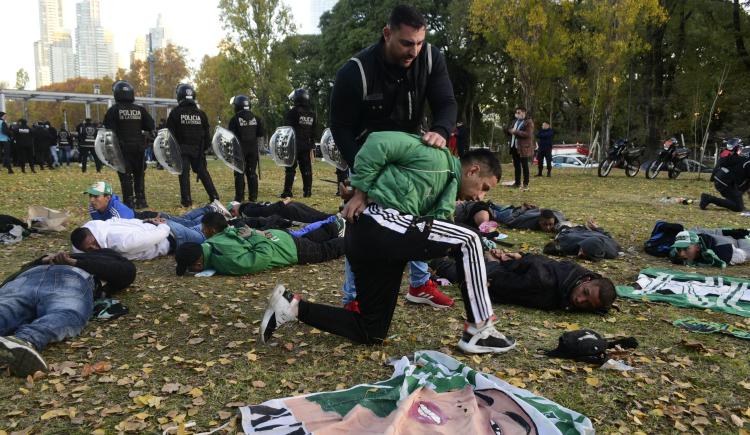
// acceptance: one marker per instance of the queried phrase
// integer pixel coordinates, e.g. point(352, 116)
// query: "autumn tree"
point(170, 68)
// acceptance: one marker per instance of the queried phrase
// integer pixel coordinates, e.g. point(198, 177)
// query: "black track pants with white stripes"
point(378, 247)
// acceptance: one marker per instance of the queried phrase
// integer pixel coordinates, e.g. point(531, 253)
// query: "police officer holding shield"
point(128, 121)
point(248, 129)
point(189, 126)
point(302, 119)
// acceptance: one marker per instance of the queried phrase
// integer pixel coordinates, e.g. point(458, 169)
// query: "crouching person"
point(243, 251)
point(405, 194)
point(51, 299)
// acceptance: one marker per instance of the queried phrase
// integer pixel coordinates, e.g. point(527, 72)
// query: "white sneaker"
point(21, 357)
point(278, 311)
point(486, 339)
point(219, 208)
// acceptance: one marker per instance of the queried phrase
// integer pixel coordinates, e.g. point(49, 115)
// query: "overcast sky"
point(193, 24)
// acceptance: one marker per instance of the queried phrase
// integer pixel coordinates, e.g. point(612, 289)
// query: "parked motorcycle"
point(622, 155)
point(672, 158)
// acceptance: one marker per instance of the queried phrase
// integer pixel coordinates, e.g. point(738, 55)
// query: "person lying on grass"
point(711, 247)
point(51, 299)
point(589, 242)
point(241, 251)
point(526, 216)
point(286, 209)
point(536, 281)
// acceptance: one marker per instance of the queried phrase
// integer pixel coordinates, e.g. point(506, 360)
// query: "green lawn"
point(188, 352)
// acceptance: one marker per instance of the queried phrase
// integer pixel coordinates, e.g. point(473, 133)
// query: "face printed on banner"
point(403, 44)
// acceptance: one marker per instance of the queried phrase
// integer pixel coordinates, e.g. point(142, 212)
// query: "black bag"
point(587, 346)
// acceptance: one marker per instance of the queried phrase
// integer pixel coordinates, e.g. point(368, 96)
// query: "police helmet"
point(185, 91)
point(733, 143)
point(123, 92)
point(300, 97)
point(240, 102)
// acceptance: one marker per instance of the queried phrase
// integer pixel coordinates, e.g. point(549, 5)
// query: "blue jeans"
point(46, 304)
point(418, 276)
point(312, 227)
point(182, 233)
point(189, 219)
point(501, 213)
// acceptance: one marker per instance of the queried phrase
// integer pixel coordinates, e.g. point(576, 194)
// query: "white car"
point(572, 161)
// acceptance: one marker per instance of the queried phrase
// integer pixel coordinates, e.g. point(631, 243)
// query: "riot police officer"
point(248, 129)
point(302, 119)
point(25, 143)
point(128, 121)
point(189, 126)
point(86, 138)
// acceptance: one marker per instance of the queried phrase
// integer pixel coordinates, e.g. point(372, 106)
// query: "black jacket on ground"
point(302, 119)
point(395, 97)
point(247, 128)
point(104, 264)
point(597, 244)
point(128, 121)
point(189, 126)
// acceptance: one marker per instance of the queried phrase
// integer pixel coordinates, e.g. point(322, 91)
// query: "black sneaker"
point(704, 201)
point(485, 340)
point(286, 195)
point(21, 357)
point(278, 312)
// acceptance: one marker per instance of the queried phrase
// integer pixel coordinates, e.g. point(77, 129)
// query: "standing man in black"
point(128, 121)
point(42, 143)
point(302, 119)
point(189, 126)
point(544, 153)
point(65, 142)
point(25, 144)
point(6, 141)
point(86, 138)
point(248, 129)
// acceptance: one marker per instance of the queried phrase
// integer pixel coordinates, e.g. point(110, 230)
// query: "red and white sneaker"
point(430, 295)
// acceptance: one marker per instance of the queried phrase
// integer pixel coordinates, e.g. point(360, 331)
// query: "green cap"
point(685, 239)
point(99, 188)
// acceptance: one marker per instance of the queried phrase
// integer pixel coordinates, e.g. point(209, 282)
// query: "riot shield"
point(228, 149)
point(107, 148)
point(330, 152)
point(283, 147)
point(167, 152)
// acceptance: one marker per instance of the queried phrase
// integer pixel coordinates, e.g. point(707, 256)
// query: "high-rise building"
point(95, 56)
point(61, 58)
point(140, 51)
point(158, 34)
point(50, 25)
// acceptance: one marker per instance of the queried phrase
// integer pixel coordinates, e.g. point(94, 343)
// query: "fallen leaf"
point(594, 382)
point(196, 340)
point(259, 384)
point(737, 420)
point(171, 387)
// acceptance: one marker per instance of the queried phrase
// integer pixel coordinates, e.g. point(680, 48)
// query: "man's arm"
point(147, 122)
point(110, 119)
point(526, 131)
point(346, 101)
point(206, 131)
point(109, 266)
point(440, 96)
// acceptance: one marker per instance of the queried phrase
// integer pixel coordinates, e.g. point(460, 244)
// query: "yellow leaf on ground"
point(594, 382)
point(259, 384)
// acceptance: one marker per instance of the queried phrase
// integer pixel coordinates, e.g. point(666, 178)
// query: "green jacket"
point(230, 254)
point(398, 171)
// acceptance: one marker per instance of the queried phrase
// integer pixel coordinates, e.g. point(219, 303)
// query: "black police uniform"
point(128, 121)
point(86, 138)
point(42, 143)
point(25, 144)
point(731, 179)
point(247, 128)
point(65, 142)
point(189, 126)
point(392, 100)
point(302, 119)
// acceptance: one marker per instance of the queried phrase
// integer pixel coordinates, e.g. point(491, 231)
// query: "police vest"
point(128, 126)
point(245, 127)
point(303, 120)
point(190, 125)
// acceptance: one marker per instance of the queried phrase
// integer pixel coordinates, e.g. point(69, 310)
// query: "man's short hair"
point(521, 108)
point(403, 14)
point(214, 220)
point(484, 158)
point(546, 213)
point(78, 236)
point(607, 293)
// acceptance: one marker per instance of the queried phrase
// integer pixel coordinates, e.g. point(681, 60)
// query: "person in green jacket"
point(405, 194)
point(242, 251)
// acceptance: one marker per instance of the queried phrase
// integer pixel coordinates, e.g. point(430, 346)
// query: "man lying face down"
point(526, 216)
point(233, 251)
point(589, 242)
point(536, 281)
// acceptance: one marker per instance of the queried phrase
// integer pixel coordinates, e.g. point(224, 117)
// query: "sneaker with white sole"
point(429, 294)
point(218, 207)
point(21, 357)
point(278, 311)
point(486, 339)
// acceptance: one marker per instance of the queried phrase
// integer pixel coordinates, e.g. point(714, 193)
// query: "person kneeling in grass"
point(405, 195)
point(242, 251)
point(51, 299)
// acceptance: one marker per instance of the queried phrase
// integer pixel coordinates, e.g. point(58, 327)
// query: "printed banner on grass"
point(691, 290)
point(433, 394)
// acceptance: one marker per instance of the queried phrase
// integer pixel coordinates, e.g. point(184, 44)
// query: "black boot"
point(307, 184)
point(288, 183)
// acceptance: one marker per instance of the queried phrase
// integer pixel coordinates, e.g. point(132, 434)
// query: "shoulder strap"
point(364, 77)
point(429, 58)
